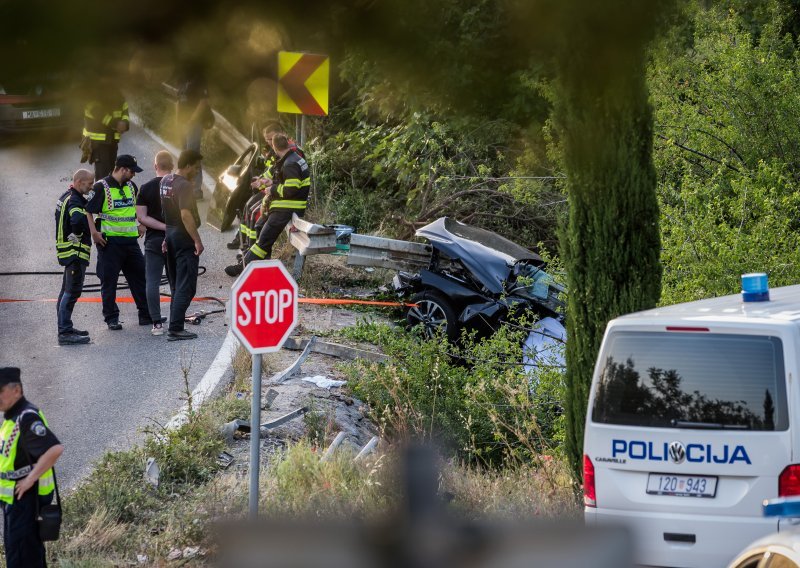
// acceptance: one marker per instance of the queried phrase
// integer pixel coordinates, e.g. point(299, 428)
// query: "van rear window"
point(692, 380)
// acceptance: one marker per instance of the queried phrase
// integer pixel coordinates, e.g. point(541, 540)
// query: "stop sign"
point(264, 306)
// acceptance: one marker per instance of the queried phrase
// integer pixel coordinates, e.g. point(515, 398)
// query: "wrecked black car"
point(475, 279)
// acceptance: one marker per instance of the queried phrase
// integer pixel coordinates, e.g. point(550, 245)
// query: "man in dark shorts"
point(148, 211)
point(184, 245)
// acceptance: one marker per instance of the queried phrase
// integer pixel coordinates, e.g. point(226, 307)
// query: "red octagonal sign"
point(264, 306)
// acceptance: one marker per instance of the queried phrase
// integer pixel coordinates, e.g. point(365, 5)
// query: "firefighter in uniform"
point(104, 121)
point(73, 247)
point(28, 452)
point(254, 214)
point(115, 232)
point(288, 194)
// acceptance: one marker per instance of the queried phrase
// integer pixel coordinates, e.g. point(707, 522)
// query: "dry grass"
point(101, 532)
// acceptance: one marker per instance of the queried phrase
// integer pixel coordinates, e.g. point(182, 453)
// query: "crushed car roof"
point(487, 255)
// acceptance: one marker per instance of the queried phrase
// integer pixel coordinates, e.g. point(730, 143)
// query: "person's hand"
point(256, 183)
point(122, 126)
point(164, 246)
point(198, 248)
point(142, 230)
point(23, 485)
point(98, 239)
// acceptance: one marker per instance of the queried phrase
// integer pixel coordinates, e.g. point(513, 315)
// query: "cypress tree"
point(611, 241)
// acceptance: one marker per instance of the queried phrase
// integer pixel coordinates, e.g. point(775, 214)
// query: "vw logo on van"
point(677, 453)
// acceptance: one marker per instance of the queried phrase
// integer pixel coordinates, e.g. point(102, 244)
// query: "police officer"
point(104, 120)
point(115, 232)
point(28, 452)
point(288, 194)
point(73, 247)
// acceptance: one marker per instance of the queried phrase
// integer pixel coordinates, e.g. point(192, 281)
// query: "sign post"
point(263, 314)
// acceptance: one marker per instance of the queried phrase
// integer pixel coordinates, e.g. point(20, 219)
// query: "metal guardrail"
point(380, 252)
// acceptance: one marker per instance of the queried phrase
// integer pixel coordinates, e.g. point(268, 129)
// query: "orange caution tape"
point(317, 301)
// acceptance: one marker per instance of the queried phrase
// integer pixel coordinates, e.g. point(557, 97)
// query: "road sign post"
point(263, 314)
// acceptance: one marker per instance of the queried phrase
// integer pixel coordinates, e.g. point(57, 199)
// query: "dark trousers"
point(104, 155)
point(24, 548)
point(128, 258)
point(154, 261)
point(276, 222)
point(182, 266)
point(71, 288)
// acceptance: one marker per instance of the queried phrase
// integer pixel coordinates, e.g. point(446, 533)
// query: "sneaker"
point(81, 332)
point(234, 270)
point(114, 325)
point(179, 335)
point(158, 329)
point(72, 339)
point(150, 321)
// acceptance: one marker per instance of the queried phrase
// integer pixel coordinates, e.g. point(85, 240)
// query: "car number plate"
point(42, 113)
point(682, 485)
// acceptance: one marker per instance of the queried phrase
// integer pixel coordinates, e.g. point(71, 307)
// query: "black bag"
point(48, 517)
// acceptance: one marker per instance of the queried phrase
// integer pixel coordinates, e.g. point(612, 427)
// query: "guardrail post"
point(299, 263)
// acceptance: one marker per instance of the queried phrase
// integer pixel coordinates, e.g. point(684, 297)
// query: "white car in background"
point(779, 550)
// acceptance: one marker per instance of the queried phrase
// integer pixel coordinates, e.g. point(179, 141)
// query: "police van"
point(693, 421)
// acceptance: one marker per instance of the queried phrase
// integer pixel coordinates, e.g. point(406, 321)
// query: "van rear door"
point(688, 422)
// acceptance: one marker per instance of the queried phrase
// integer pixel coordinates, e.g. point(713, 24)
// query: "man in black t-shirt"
point(148, 211)
point(184, 245)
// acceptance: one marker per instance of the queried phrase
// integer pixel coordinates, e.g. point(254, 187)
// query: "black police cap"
point(128, 161)
point(9, 375)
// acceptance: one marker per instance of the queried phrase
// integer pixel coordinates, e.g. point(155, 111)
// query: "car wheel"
point(432, 314)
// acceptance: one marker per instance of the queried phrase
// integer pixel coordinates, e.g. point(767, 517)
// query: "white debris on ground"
point(317, 385)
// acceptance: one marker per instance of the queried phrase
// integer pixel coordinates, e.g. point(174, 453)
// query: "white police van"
point(693, 421)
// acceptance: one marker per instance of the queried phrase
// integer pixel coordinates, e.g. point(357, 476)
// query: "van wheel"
point(432, 314)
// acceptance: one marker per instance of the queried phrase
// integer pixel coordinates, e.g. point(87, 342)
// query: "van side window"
point(692, 380)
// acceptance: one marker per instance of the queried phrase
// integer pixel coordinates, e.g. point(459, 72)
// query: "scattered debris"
point(334, 349)
point(230, 428)
point(283, 419)
point(332, 448)
point(224, 460)
point(174, 554)
point(152, 472)
point(142, 558)
point(294, 367)
point(366, 450)
point(191, 551)
point(324, 382)
point(272, 394)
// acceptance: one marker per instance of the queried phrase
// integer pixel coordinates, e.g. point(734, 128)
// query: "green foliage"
point(476, 396)
point(729, 152)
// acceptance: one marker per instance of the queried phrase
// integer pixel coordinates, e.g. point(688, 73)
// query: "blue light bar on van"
point(782, 507)
point(755, 287)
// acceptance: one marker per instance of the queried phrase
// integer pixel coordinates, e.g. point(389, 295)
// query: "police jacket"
point(100, 117)
point(73, 239)
point(291, 184)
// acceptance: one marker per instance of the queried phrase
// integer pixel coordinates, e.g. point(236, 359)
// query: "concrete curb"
point(219, 373)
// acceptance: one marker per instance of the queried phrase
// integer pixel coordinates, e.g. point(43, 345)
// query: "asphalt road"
point(100, 396)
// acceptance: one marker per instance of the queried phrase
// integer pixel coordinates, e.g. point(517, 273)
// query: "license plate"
point(682, 485)
point(42, 113)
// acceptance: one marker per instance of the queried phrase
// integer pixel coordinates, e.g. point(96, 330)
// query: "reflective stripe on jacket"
point(118, 215)
point(293, 183)
point(9, 440)
point(99, 120)
point(72, 242)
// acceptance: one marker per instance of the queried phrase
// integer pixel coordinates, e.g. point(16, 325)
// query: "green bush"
point(476, 397)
